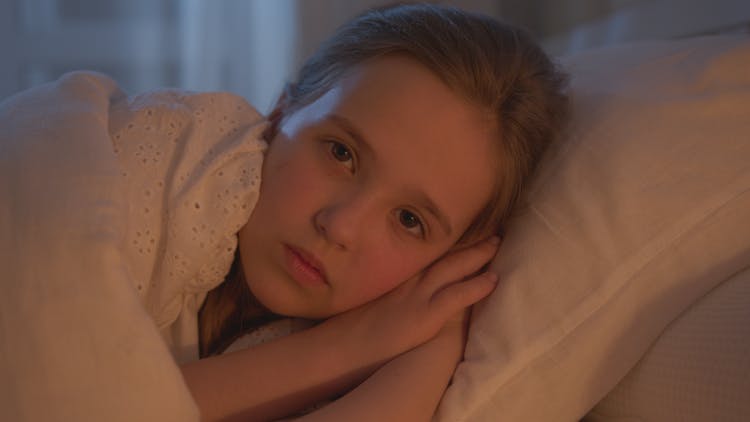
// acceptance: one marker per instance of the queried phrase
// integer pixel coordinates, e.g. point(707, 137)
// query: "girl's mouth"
point(303, 267)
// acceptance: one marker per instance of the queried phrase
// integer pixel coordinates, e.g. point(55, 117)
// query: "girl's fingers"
point(460, 264)
point(460, 295)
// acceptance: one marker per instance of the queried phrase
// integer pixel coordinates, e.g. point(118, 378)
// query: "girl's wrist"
point(356, 342)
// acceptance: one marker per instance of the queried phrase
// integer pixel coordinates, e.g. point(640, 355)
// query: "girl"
point(390, 166)
point(403, 143)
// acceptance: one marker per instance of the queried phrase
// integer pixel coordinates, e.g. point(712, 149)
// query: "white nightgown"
point(191, 164)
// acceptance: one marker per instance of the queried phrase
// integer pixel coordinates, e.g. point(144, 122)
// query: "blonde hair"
point(496, 66)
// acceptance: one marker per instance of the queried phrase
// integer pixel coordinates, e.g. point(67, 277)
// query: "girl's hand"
point(418, 309)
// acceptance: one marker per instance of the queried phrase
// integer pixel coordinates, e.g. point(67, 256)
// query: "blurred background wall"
point(252, 47)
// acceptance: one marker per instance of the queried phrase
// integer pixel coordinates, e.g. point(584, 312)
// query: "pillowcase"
point(642, 209)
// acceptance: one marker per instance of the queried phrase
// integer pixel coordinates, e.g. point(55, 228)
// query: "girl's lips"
point(304, 267)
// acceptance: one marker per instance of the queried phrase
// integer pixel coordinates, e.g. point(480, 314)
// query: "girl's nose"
point(341, 222)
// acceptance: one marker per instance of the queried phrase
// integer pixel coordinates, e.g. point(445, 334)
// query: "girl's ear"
point(274, 118)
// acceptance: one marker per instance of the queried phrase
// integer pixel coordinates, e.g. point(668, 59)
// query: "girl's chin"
point(280, 302)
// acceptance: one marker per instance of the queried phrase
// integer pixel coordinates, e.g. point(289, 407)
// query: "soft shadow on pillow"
point(638, 213)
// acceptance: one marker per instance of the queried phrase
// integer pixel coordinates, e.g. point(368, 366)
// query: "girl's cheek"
point(292, 170)
point(389, 269)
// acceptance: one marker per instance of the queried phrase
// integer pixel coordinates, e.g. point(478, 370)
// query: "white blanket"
point(75, 342)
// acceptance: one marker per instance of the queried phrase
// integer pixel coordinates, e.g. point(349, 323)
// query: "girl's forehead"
point(402, 97)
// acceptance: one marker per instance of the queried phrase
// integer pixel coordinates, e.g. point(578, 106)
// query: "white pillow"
point(639, 212)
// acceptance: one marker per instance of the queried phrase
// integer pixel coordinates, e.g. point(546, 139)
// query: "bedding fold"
point(75, 341)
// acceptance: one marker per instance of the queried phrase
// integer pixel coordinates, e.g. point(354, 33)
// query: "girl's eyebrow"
point(428, 204)
point(347, 126)
point(425, 201)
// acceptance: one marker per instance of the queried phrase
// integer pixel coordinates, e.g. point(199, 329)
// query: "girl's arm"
point(274, 379)
point(408, 388)
point(279, 378)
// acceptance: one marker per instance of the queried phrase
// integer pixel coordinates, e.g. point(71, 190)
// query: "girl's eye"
point(411, 222)
point(341, 152)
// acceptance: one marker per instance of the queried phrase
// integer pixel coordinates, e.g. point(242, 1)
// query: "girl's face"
point(364, 188)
